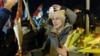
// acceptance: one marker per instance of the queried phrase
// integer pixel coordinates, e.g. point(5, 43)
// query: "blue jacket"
point(4, 16)
point(8, 47)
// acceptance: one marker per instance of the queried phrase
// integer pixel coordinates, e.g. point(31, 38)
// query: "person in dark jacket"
point(81, 19)
point(29, 38)
point(8, 44)
point(6, 12)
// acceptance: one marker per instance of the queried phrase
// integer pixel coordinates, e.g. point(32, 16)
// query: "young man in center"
point(58, 34)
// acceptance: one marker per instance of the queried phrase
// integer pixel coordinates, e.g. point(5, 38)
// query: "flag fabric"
point(18, 33)
point(37, 16)
point(2, 3)
point(17, 25)
point(25, 14)
point(29, 16)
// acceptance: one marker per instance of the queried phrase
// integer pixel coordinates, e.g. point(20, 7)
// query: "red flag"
point(37, 16)
point(1, 3)
point(38, 10)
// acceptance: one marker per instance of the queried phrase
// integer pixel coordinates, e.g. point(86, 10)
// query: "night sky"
point(95, 4)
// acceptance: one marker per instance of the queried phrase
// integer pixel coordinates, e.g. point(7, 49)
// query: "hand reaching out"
point(62, 51)
point(56, 7)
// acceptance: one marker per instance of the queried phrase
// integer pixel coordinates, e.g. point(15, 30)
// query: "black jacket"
point(81, 20)
point(8, 44)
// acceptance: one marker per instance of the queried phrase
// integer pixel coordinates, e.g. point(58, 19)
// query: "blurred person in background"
point(8, 43)
point(81, 18)
point(29, 38)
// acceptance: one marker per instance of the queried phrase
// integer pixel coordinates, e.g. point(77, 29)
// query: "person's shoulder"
point(4, 13)
point(4, 10)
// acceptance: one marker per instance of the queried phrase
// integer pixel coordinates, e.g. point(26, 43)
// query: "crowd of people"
point(48, 40)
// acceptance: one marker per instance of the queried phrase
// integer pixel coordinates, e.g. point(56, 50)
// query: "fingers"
point(56, 7)
point(19, 53)
point(62, 51)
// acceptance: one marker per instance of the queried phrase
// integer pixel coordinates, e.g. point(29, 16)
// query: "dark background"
point(94, 5)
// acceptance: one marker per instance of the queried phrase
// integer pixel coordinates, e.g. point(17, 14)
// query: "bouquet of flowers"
point(79, 42)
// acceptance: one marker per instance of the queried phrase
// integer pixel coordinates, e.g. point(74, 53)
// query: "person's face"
point(57, 22)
